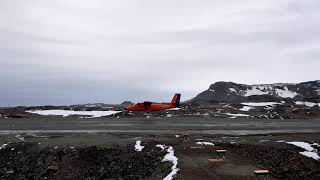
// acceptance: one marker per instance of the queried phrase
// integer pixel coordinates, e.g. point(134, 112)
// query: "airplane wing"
point(147, 103)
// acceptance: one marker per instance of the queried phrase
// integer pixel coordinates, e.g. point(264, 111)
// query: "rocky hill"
point(230, 92)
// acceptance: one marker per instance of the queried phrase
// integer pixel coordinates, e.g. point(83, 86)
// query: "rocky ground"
point(25, 160)
point(113, 156)
point(283, 161)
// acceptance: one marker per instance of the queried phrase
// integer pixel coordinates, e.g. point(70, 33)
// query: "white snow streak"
point(312, 155)
point(172, 158)
point(3, 146)
point(237, 115)
point(205, 143)
point(138, 146)
point(303, 145)
point(65, 113)
point(260, 103)
point(309, 104)
point(310, 151)
point(232, 90)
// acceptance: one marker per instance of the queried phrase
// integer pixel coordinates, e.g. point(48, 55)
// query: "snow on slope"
point(310, 151)
point(256, 90)
point(232, 90)
point(269, 90)
point(65, 113)
point(309, 104)
point(171, 158)
point(285, 93)
point(237, 115)
point(260, 103)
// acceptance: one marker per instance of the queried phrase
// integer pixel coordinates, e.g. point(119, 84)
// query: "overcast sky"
point(76, 51)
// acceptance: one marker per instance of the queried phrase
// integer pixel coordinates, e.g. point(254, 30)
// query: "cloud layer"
point(71, 51)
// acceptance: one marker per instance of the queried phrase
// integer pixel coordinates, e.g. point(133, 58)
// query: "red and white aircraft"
point(150, 107)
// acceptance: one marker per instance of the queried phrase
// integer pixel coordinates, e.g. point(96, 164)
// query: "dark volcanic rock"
point(28, 161)
point(284, 161)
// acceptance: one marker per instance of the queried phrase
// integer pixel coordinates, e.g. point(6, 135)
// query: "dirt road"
point(159, 125)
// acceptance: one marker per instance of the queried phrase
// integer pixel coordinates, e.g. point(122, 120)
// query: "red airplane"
point(149, 106)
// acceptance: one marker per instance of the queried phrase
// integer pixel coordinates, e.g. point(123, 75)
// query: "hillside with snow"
point(235, 93)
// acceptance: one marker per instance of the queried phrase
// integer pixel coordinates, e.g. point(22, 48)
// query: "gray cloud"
point(65, 52)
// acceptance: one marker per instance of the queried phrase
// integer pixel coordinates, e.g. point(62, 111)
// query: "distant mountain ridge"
point(234, 93)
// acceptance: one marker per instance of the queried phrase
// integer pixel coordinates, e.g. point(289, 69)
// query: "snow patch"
point(212, 90)
point(260, 103)
point(310, 151)
point(3, 146)
point(309, 104)
point(171, 158)
point(138, 146)
point(65, 113)
point(256, 90)
point(245, 108)
point(302, 145)
point(232, 90)
point(237, 115)
point(312, 155)
point(286, 93)
point(205, 143)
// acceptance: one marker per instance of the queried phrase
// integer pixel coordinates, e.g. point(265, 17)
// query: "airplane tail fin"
point(176, 100)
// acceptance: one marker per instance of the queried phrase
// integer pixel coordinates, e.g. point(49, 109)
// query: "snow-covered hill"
point(235, 93)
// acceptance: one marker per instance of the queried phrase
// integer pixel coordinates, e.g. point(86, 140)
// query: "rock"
point(53, 168)
point(10, 172)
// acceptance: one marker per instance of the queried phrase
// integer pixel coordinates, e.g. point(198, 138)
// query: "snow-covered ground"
point(269, 89)
point(310, 151)
point(237, 115)
point(309, 104)
point(285, 93)
point(245, 108)
point(172, 158)
point(260, 103)
point(138, 146)
point(256, 90)
point(65, 113)
point(205, 143)
point(232, 90)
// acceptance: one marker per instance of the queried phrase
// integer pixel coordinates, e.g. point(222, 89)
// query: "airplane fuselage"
point(150, 107)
